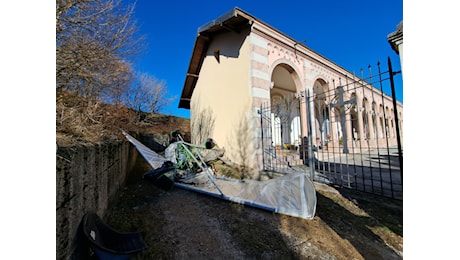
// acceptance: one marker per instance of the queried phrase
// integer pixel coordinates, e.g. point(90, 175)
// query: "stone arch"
point(387, 122)
point(393, 127)
point(291, 68)
point(380, 110)
point(285, 83)
point(365, 113)
point(374, 120)
point(366, 105)
point(321, 110)
point(383, 130)
point(354, 108)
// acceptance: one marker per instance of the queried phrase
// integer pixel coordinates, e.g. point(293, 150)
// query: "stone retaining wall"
point(88, 178)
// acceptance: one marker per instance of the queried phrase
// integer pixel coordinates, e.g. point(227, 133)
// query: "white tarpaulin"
point(292, 194)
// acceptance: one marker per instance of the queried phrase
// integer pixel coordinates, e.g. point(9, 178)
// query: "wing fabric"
point(292, 194)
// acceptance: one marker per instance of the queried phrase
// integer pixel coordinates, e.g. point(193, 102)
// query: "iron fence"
point(349, 132)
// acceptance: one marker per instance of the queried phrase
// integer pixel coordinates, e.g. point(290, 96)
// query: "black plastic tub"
point(108, 243)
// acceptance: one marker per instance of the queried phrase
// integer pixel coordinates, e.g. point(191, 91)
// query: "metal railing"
point(352, 136)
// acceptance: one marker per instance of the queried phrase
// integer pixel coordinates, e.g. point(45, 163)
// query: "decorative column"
point(301, 96)
point(344, 117)
point(349, 127)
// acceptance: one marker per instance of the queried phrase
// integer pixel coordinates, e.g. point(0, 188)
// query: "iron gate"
point(281, 133)
point(349, 132)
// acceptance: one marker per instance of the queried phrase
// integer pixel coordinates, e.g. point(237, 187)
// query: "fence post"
point(398, 137)
point(262, 136)
point(311, 162)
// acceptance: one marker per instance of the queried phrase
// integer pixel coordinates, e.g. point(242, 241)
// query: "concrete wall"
point(88, 178)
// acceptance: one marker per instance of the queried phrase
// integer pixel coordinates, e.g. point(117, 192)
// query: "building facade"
point(240, 63)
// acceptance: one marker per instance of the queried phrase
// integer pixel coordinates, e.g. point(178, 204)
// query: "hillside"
point(105, 124)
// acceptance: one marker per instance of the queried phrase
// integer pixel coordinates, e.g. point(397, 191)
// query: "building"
point(239, 64)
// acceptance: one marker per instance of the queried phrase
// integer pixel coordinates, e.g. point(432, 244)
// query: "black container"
point(108, 243)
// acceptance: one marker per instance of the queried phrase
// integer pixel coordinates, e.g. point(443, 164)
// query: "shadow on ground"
point(374, 229)
point(181, 224)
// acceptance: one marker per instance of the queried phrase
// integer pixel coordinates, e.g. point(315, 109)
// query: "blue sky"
point(351, 33)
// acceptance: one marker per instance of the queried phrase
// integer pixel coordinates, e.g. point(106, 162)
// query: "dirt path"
point(181, 224)
point(196, 233)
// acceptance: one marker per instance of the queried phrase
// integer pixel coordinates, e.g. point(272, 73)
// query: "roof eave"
point(204, 37)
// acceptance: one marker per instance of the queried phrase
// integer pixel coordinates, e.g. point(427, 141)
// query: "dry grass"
point(79, 120)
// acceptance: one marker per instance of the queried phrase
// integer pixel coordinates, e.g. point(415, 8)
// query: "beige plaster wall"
point(221, 100)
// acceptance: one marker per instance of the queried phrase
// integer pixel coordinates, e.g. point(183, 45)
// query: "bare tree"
point(95, 44)
point(119, 85)
point(146, 94)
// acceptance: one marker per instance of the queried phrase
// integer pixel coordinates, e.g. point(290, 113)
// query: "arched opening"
point(374, 120)
point(285, 107)
point(383, 131)
point(365, 119)
point(354, 119)
point(322, 112)
point(387, 123)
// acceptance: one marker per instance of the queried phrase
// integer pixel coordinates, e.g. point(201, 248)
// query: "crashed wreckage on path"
point(183, 166)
